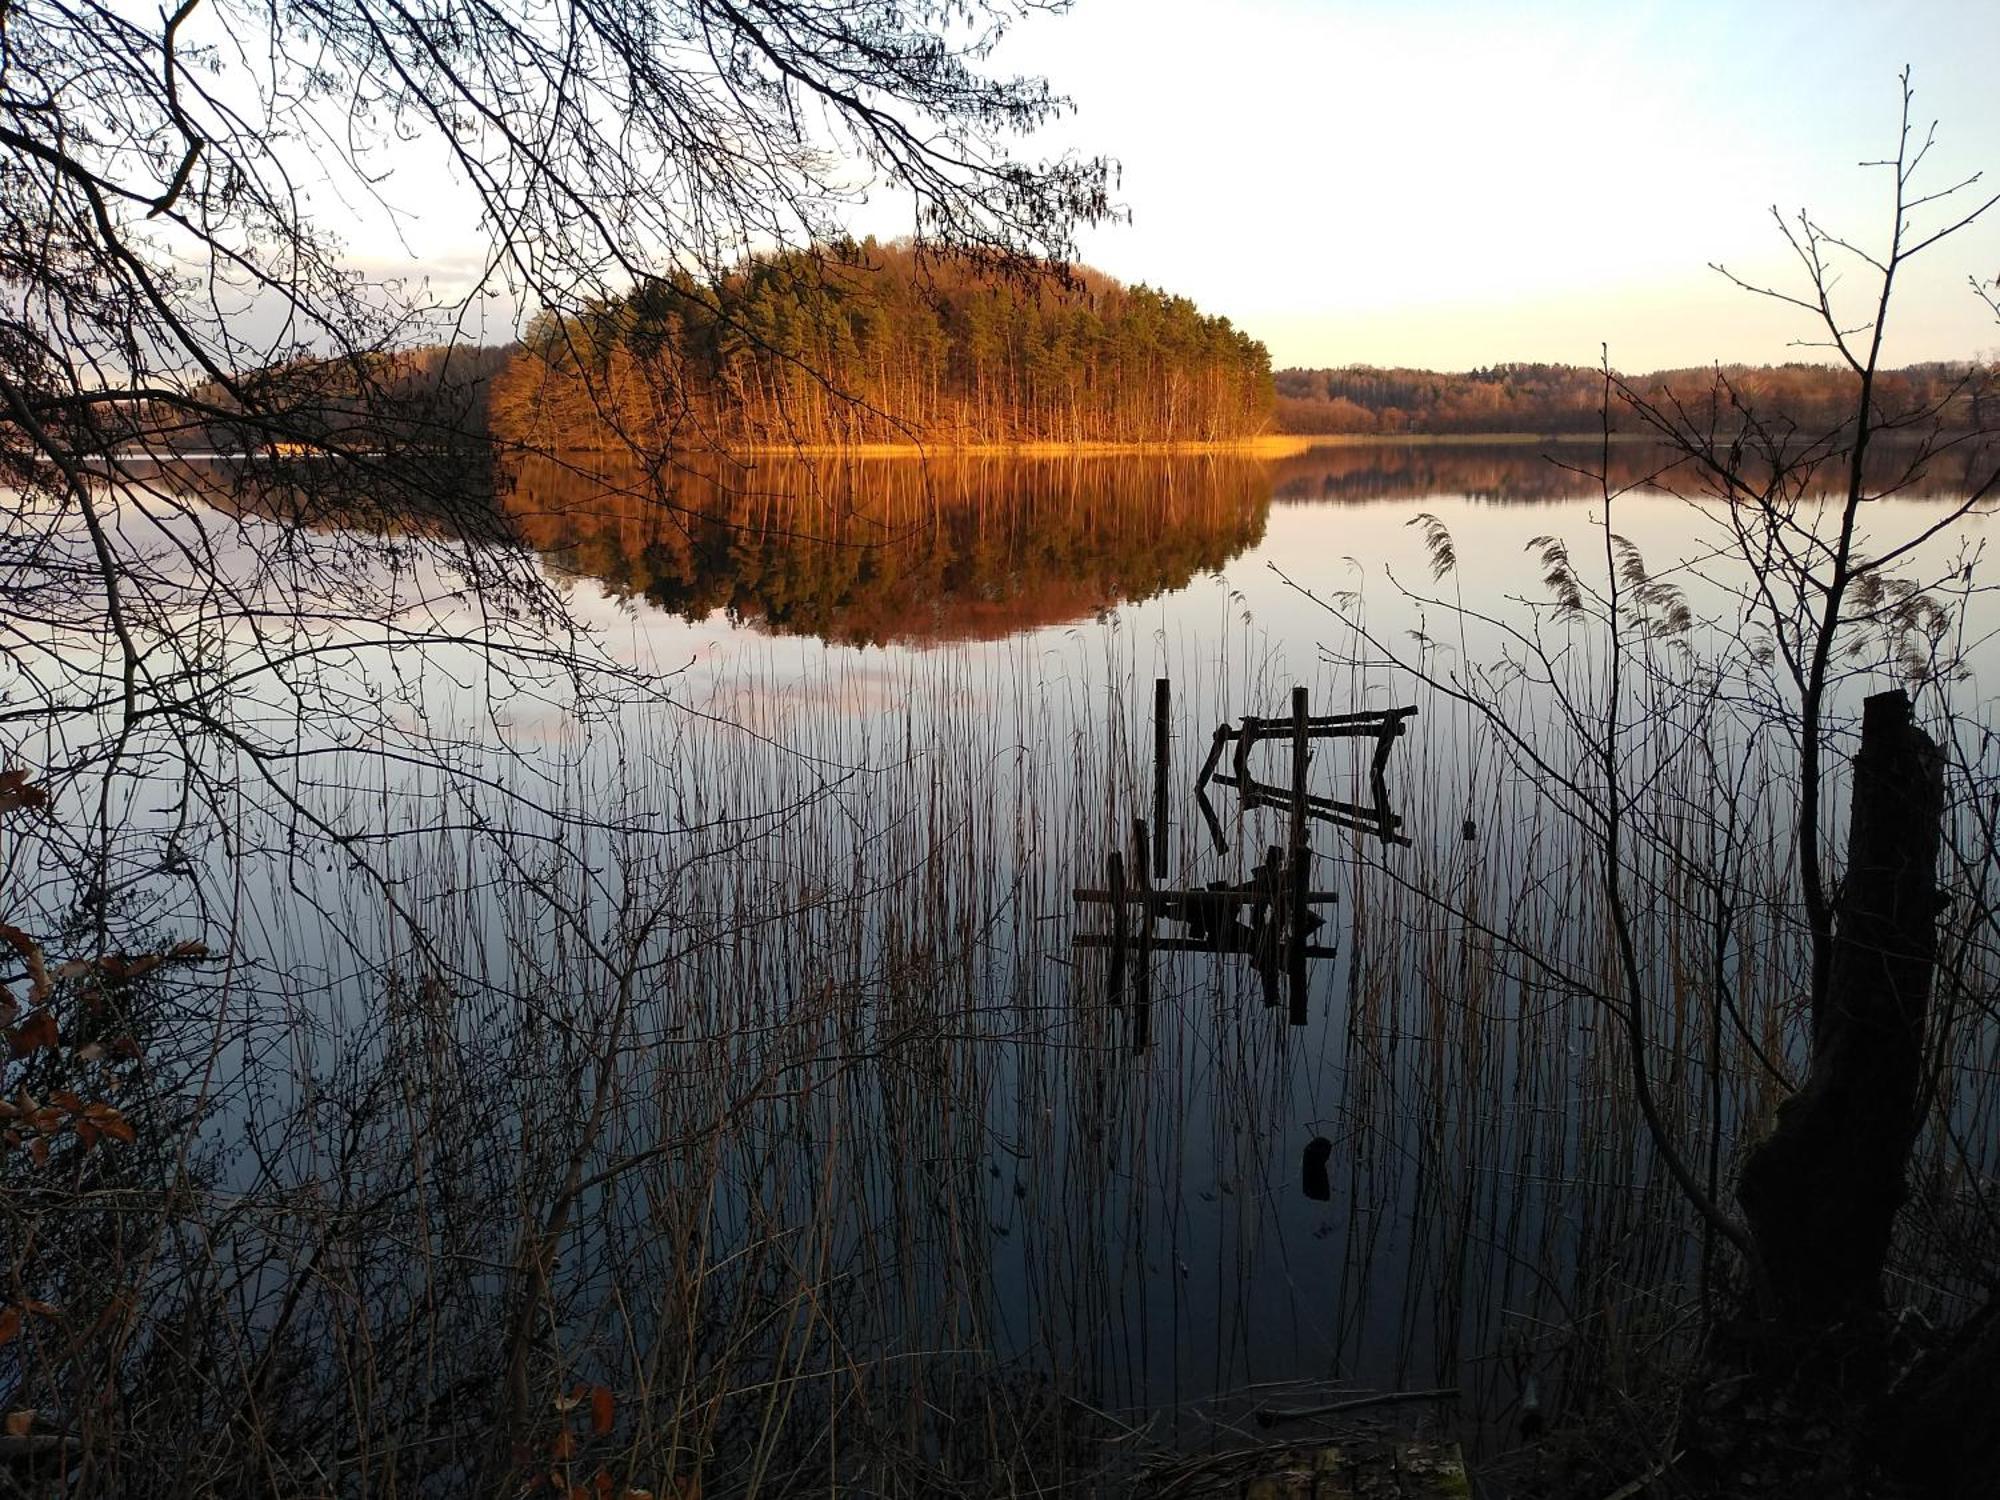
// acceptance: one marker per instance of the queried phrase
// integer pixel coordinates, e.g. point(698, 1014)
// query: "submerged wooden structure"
point(1270, 918)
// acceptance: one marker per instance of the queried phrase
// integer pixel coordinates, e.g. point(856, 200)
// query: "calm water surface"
point(982, 637)
point(867, 1128)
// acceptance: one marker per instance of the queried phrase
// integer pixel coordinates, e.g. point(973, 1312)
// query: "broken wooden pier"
point(1269, 918)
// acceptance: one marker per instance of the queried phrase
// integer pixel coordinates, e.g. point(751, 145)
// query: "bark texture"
point(1821, 1192)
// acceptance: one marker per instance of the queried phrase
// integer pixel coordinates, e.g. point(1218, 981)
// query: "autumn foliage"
point(1543, 398)
point(870, 343)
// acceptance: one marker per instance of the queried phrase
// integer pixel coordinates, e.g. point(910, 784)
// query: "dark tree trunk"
point(1821, 1192)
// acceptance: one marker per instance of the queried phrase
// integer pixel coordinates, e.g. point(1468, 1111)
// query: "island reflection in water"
point(865, 551)
point(862, 551)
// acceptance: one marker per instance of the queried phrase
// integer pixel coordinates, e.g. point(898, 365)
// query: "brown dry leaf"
point(38, 1148)
point(10, 1325)
point(66, 1099)
point(563, 1445)
point(603, 1410)
point(20, 1423)
point(16, 792)
point(116, 1127)
point(38, 1031)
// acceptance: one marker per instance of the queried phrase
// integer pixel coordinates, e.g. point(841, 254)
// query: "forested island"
point(876, 344)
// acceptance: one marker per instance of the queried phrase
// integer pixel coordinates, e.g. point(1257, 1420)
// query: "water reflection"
point(753, 1072)
point(866, 551)
point(1551, 472)
point(869, 552)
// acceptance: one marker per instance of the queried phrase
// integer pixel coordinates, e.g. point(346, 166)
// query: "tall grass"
point(731, 1114)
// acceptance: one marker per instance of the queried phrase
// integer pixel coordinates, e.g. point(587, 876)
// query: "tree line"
point(369, 402)
point(1546, 398)
point(872, 343)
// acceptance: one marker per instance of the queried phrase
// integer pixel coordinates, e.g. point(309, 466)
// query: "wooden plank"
point(1245, 737)
point(1300, 862)
point(1100, 896)
point(1185, 945)
point(1331, 726)
point(1214, 823)
point(1215, 747)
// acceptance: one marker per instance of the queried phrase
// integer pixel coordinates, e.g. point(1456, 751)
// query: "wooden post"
point(1301, 862)
point(1163, 694)
point(1271, 907)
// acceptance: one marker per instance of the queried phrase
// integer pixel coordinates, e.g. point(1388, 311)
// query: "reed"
point(712, 1099)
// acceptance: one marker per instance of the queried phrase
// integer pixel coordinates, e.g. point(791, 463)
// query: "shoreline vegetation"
point(1363, 400)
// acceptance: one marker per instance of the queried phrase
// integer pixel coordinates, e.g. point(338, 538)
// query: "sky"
point(1455, 185)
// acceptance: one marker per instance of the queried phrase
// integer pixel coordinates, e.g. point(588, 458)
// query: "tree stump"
point(1822, 1190)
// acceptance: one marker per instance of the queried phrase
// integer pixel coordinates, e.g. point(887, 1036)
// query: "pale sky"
point(1452, 185)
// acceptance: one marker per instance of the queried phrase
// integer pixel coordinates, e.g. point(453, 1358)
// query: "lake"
point(731, 999)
